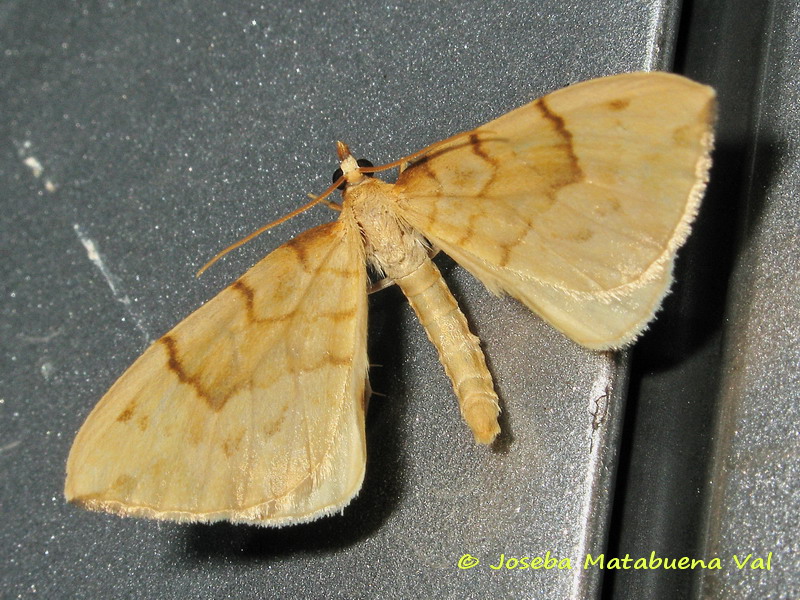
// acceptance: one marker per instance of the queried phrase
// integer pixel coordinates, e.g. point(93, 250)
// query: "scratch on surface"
point(94, 255)
point(47, 369)
point(597, 483)
point(599, 412)
point(34, 164)
point(41, 339)
point(10, 446)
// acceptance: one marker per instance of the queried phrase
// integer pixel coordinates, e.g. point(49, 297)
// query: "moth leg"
point(380, 285)
point(329, 203)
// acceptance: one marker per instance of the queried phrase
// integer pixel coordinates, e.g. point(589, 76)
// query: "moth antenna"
point(342, 151)
point(260, 230)
point(419, 153)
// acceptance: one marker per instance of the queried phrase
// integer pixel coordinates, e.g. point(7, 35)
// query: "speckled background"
point(139, 138)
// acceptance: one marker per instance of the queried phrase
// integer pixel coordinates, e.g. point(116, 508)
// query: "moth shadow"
point(674, 401)
point(694, 311)
point(382, 488)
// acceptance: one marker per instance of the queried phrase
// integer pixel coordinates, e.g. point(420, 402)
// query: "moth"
point(251, 410)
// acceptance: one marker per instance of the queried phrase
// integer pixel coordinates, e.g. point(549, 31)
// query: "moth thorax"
point(391, 245)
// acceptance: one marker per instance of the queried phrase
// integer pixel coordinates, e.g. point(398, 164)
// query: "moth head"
point(349, 167)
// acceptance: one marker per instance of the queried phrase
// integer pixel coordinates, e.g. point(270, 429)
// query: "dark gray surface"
point(754, 491)
point(711, 453)
point(167, 131)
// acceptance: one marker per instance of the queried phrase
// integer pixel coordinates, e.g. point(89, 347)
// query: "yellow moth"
point(251, 410)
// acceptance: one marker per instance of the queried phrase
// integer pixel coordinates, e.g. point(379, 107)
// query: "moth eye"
point(362, 162)
point(336, 174)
